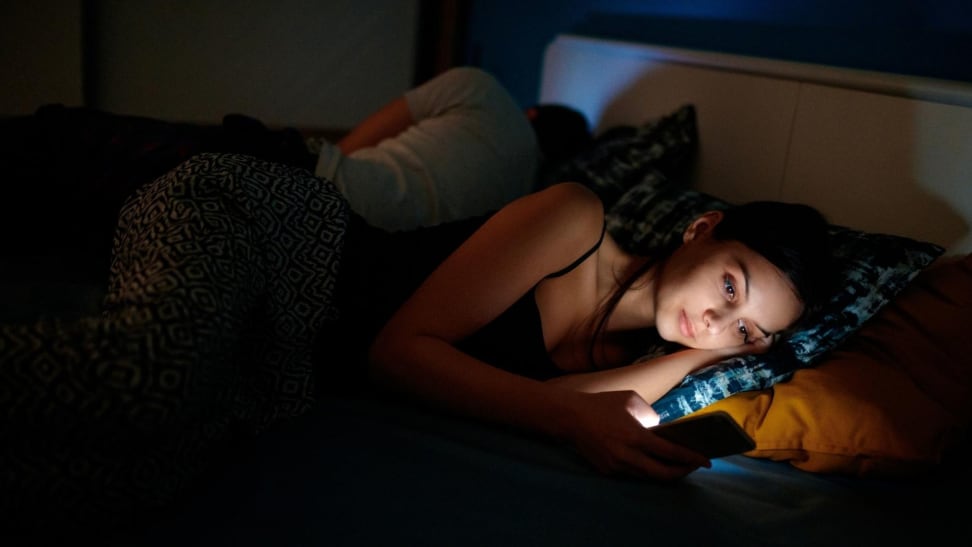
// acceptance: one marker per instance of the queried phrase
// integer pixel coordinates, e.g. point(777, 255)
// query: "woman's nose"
point(715, 322)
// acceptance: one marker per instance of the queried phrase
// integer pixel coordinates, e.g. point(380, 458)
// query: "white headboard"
point(876, 152)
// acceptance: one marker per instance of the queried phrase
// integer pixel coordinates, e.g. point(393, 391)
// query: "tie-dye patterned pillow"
point(873, 268)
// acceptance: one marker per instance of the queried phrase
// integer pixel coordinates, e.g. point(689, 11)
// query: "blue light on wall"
point(931, 38)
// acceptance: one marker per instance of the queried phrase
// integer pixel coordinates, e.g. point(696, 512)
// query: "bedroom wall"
point(930, 37)
point(290, 62)
point(301, 63)
point(40, 54)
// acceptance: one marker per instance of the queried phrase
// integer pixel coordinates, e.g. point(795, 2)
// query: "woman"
point(224, 276)
point(595, 304)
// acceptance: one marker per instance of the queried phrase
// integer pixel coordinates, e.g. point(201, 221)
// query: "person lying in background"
point(454, 147)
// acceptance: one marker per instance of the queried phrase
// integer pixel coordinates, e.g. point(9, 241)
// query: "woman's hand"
point(755, 346)
point(762, 345)
point(609, 430)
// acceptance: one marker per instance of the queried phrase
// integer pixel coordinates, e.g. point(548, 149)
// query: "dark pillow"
point(870, 270)
point(654, 213)
point(616, 160)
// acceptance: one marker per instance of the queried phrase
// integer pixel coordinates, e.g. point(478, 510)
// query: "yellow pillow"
point(890, 402)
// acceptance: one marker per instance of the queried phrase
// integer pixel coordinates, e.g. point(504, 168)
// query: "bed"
point(879, 462)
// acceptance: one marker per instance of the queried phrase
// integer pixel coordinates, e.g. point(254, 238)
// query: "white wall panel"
point(744, 120)
point(884, 164)
point(876, 152)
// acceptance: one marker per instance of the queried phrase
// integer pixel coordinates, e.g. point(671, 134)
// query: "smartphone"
point(713, 434)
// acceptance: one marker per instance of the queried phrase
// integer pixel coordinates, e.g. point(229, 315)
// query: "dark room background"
point(326, 64)
point(930, 38)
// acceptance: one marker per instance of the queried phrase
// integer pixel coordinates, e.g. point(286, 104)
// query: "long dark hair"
point(792, 236)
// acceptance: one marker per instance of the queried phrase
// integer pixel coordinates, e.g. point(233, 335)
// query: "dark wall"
point(931, 38)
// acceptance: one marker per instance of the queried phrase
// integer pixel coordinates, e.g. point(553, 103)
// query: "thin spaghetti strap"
point(582, 257)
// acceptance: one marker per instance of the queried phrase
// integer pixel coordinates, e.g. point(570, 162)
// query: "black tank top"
point(514, 340)
point(380, 270)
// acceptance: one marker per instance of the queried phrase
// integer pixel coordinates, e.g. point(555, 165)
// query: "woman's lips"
point(685, 325)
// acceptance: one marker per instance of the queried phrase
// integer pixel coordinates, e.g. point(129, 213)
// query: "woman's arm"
point(654, 377)
point(416, 353)
point(650, 379)
point(529, 238)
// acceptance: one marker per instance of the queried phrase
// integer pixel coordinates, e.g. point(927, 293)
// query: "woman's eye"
point(743, 331)
point(729, 287)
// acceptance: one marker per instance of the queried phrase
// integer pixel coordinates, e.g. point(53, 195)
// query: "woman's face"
point(716, 294)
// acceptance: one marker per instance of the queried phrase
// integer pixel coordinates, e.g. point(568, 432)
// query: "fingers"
point(646, 455)
point(643, 412)
point(637, 463)
point(645, 466)
point(655, 454)
point(758, 345)
point(669, 451)
point(616, 444)
point(765, 342)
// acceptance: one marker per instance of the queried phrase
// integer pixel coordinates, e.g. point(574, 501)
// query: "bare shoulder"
point(559, 222)
point(573, 191)
point(543, 231)
point(573, 204)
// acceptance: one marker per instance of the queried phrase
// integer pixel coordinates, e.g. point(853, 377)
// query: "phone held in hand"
point(712, 434)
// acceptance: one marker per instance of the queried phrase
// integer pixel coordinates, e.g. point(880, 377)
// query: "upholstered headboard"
point(875, 152)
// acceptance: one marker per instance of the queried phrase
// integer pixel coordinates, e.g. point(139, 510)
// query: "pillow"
point(871, 270)
point(616, 160)
point(895, 400)
point(653, 214)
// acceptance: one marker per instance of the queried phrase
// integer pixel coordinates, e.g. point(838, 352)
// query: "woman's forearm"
point(650, 379)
